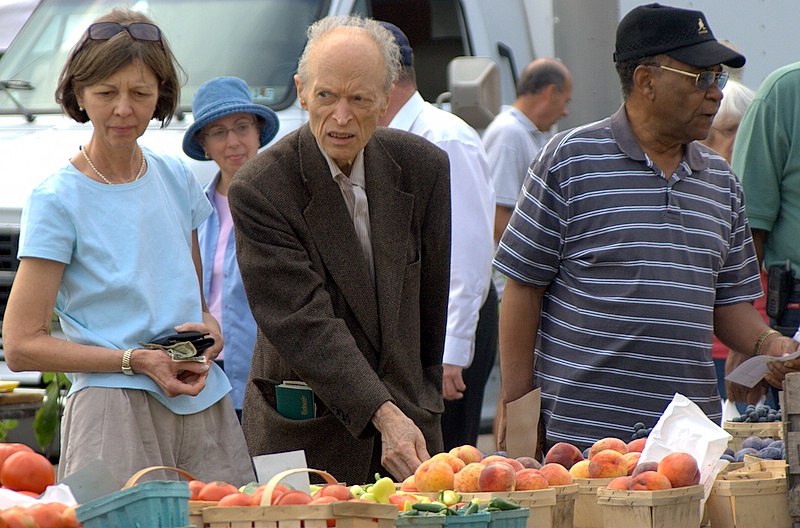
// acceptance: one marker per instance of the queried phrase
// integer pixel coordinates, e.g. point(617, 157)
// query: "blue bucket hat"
point(220, 97)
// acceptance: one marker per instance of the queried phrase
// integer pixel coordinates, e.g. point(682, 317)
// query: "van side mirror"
point(474, 95)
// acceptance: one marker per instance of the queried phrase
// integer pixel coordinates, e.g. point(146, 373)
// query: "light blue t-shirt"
point(129, 276)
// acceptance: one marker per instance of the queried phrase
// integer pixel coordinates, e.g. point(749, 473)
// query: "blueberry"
point(727, 457)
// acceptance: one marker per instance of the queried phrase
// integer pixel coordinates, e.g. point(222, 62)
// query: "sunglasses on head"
point(703, 80)
point(137, 30)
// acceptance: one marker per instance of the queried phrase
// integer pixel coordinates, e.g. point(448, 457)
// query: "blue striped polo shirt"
point(634, 264)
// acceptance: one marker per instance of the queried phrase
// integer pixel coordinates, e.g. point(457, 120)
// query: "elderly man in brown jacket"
point(343, 237)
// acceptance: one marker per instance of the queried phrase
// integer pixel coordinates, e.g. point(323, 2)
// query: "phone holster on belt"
point(779, 287)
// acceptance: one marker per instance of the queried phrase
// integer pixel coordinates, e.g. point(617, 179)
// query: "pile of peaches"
point(465, 470)
point(613, 458)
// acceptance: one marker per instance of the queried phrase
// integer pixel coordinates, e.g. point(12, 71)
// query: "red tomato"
point(214, 491)
point(6, 450)
point(27, 471)
point(69, 518)
point(324, 499)
point(236, 499)
point(47, 515)
point(258, 494)
point(293, 497)
point(194, 488)
point(15, 517)
point(335, 490)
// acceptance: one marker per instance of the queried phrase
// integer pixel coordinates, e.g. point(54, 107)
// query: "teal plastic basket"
point(509, 518)
point(476, 520)
point(154, 504)
point(421, 521)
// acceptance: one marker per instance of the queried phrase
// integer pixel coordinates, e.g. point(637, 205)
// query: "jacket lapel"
point(391, 212)
point(335, 238)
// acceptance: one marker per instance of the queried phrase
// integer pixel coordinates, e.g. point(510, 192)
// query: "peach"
point(680, 468)
point(620, 483)
point(556, 474)
point(515, 465)
point(529, 462)
point(631, 459)
point(563, 453)
point(434, 475)
point(466, 480)
point(409, 484)
point(530, 479)
point(456, 463)
point(580, 470)
point(497, 476)
point(651, 481)
point(637, 445)
point(607, 463)
point(608, 443)
point(467, 453)
point(644, 466)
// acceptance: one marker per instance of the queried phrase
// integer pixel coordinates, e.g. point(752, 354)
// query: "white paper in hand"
point(684, 427)
point(754, 369)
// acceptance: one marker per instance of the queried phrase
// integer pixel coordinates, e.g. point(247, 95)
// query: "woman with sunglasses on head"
point(109, 242)
point(229, 129)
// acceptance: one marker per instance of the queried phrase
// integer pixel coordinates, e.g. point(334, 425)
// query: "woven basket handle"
point(136, 476)
point(266, 498)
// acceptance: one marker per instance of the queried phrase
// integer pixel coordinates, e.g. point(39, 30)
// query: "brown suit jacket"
point(320, 319)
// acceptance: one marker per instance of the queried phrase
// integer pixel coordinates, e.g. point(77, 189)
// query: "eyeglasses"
point(137, 30)
point(703, 80)
point(220, 133)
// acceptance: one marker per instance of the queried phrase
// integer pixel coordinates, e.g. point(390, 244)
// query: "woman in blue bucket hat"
point(229, 129)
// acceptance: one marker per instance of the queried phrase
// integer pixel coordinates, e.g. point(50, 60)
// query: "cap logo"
point(701, 27)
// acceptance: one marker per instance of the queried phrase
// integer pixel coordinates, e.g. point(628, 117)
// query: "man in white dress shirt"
point(471, 340)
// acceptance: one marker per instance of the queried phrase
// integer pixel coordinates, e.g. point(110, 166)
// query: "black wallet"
point(199, 340)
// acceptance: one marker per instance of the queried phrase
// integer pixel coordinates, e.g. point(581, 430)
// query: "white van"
point(257, 40)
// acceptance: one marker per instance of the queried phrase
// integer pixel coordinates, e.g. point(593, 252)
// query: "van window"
point(257, 40)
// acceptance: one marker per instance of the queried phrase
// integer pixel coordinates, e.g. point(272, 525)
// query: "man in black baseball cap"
point(629, 247)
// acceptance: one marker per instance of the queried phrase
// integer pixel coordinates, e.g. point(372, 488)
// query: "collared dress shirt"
point(472, 215)
point(355, 196)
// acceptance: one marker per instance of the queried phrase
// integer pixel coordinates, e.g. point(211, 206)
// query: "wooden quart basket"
point(345, 514)
point(741, 430)
point(671, 508)
point(540, 504)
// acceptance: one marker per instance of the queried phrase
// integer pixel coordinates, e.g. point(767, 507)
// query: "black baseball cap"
point(683, 34)
point(406, 53)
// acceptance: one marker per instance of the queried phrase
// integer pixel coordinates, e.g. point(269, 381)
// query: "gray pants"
point(130, 430)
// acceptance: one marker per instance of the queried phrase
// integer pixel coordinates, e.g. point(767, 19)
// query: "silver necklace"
point(86, 156)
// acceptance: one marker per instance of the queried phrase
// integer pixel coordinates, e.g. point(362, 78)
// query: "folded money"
point(181, 351)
